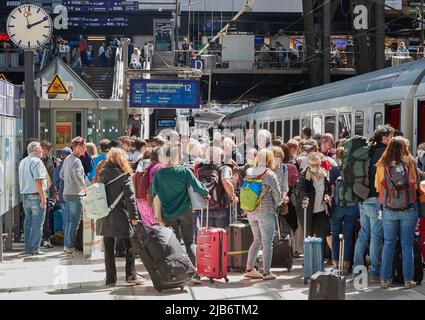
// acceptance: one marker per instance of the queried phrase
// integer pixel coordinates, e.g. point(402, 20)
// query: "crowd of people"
point(153, 178)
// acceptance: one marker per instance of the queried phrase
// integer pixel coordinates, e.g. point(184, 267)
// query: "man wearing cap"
point(73, 176)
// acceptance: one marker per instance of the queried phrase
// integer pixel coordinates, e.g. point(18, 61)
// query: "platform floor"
point(55, 276)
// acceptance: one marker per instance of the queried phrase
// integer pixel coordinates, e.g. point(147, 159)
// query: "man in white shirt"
point(33, 185)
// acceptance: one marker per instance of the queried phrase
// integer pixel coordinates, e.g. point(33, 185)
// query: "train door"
point(393, 115)
point(421, 123)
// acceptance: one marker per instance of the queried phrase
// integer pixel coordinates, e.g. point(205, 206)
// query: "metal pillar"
point(422, 25)
point(380, 34)
point(124, 43)
point(31, 119)
point(326, 41)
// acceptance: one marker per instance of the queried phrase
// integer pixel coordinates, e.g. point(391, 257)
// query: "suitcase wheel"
point(226, 279)
point(211, 280)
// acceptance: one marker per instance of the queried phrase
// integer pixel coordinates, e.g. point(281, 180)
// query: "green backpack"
point(250, 192)
point(354, 183)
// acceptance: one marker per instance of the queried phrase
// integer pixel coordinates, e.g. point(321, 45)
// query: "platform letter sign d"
point(361, 17)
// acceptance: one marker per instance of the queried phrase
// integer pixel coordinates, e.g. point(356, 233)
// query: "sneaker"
point(409, 284)
point(196, 279)
point(72, 252)
point(38, 253)
point(254, 274)
point(385, 284)
point(269, 276)
point(48, 245)
point(138, 281)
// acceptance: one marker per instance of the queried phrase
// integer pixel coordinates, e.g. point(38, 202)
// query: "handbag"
point(198, 201)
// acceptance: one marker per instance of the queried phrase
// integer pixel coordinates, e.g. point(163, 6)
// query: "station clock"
point(29, 26)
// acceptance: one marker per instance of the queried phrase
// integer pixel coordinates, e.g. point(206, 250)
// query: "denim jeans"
point(262, 225)
point(73, 212)
point(34, 221)
point(344, 218)
point(403, 224)
point(371, 230)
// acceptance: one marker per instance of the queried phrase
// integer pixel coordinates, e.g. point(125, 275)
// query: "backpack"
point(398, 188)
point(354, 171)
point(210, 176)
point(251, 191)
point(95, 202)
point(142, 187)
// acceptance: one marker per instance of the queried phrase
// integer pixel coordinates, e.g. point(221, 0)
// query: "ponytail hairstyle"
point(120, 157)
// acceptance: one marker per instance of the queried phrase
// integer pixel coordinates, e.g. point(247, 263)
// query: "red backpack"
point(142, 185)
point(398, 189)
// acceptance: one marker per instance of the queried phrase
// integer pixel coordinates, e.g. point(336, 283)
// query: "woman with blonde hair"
point(116, 175)
point(92, 150)
point(262, 219)
point(315, 197)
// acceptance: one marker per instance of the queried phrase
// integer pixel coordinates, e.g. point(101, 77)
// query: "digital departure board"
point(94, 22)
point(101, 6)
point(165, 94)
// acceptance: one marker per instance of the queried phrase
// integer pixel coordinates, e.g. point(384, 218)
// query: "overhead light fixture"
point(96, 38)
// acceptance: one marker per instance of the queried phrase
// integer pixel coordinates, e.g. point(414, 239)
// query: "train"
point(354, 106)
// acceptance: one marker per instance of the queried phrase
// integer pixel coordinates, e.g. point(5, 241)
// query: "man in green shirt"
point(171, 185)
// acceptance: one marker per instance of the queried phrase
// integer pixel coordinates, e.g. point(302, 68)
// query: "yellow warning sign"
point(57, 86)
point(2, 77)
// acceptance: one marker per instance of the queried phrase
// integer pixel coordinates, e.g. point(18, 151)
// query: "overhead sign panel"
point(57, 86)
point(165, 94)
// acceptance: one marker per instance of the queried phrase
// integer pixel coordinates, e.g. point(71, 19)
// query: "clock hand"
point(36, 23)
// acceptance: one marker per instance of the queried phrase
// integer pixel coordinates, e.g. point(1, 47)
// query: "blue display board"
point(165, 94)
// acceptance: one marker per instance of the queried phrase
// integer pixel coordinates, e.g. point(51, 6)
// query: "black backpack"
point(210, 176)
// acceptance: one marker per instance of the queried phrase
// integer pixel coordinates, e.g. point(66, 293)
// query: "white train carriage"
point(354, 106)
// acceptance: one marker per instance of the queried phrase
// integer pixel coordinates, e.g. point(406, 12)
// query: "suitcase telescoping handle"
point(341, 254)
point(305, 222)
point(233, 213)
point(202, 216)
point(278, 227)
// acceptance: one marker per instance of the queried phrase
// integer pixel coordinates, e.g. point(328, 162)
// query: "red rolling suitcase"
point(211, 252)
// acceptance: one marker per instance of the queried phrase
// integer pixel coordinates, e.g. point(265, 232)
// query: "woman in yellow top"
point(396, 170)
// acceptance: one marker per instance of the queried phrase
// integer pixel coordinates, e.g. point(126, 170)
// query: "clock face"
point(29, 26)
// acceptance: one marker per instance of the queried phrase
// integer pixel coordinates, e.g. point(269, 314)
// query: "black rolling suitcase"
point(163, 256)
point(330, 284)
point(79, 237)
point(418, 274)
point(282, 249)
point(239, 240)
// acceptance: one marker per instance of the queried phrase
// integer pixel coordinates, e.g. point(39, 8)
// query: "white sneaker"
point(254, 274)
point(269, 276)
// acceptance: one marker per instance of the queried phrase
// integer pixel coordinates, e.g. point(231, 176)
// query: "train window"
point(272, 129)
point(287, 130)
point(358, 123)
point(317, 125)
point(421, 124)
point(305, 123)
point(330, 124)
point(279, 129)
point(377, 120)
point(295, 127)
point(344, 125)
point(266, 125)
